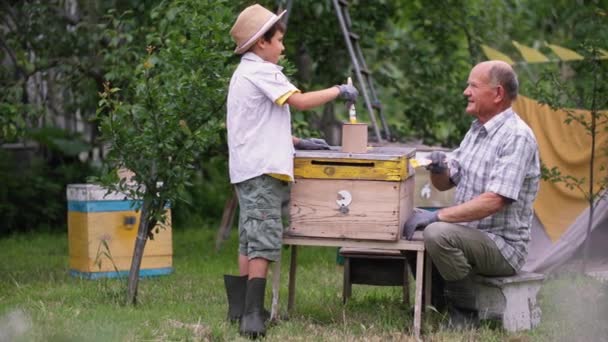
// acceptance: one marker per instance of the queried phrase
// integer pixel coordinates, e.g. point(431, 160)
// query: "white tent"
point(546, 256)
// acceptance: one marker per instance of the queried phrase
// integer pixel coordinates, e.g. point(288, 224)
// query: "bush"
point(33, 197)
point(203, 203)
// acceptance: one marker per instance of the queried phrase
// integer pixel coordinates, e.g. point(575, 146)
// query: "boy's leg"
point(243, 264)
point(260, 227)
point(236, 286)
point(260, 236)
point(258, 268)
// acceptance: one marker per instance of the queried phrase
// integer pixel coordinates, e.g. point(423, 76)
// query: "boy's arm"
point(304, 101)
point(316, 98)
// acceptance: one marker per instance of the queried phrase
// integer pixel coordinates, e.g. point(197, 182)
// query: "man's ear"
point(500, 94)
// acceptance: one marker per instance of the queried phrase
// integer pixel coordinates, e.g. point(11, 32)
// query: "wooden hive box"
point(101, 235)
point(425, 194)
point(363, 196)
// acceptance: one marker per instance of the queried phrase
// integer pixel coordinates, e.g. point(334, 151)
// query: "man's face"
point(480, 94)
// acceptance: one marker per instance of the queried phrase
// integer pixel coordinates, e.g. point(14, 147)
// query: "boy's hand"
point(348, 92)
point(312, 144)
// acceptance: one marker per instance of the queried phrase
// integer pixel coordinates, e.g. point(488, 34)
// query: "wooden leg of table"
point(347, 286)
point(276, 287)
point(292, 278)
point(418, 294)
point(406, 284)
point(428, 272)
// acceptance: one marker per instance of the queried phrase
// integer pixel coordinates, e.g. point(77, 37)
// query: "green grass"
point(39, 301)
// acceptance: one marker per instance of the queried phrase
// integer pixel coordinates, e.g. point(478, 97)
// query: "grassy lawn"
point(39, 301)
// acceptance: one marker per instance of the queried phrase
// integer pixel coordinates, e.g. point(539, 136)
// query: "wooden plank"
point(406, 203)
point(227, 220)
point(120, 238)
point(406, 284)
point(346, 284)
point(428, 270)
point(373, 213)
point(360, 169)
point(521, 277)
point(353, 252)
point(121, 263)
point(78, 235)
point(291, 292)
point(403, 245)
point(376, 153)
point(418, 293)
point(427, 196)
point(87, 233)
point(276, 281)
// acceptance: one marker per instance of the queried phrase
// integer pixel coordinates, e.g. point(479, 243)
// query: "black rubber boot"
point(462, 305)
point(461, 319)
point(253, 323)
point(461, 293)
point(236, 289)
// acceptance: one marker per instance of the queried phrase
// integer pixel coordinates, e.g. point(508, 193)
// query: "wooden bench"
point(512, 300)
point(369, 266)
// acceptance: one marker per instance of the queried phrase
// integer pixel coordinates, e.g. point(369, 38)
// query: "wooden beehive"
point(101, 235)
point(425, 194)
point(366, 196)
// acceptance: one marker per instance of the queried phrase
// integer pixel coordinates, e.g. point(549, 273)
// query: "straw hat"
point(250, 25)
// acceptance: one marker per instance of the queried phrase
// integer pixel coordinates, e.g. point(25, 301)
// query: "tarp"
point(532, 55)
point(544, 256)
point(568, 147)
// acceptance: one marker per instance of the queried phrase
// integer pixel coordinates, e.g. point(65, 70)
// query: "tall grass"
point(39, 301)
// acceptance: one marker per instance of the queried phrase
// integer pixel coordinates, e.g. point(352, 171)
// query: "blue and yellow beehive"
point(101, 232)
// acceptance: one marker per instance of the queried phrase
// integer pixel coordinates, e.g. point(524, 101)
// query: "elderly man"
point(496, 173)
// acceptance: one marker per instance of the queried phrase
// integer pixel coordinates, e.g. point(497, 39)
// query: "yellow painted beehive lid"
point(384, 164)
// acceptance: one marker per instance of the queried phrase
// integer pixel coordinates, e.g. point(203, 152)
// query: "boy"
point(261, 150)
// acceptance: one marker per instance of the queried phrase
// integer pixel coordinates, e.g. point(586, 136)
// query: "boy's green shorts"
point(260, 224)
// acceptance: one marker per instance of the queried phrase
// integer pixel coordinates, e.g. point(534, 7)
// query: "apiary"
point(101, 235)
point(359, 196)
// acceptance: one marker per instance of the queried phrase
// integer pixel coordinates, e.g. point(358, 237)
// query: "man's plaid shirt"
point(500, 156)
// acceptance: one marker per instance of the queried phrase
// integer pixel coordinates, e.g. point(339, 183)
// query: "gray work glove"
point(419, 220)
point(312, 144)
point(348, 92)
point(439, 164)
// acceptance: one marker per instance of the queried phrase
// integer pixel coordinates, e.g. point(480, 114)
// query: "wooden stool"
point(512, 300)
point(378, 267)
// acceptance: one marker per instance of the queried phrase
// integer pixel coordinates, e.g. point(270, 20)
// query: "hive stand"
point(374, 267)
point(512, 300)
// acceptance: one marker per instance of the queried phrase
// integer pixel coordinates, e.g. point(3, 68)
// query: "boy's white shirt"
point(259, 129)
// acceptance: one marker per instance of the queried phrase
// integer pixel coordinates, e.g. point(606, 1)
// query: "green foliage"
point(33, 198)
point(581, 84)
point(315, 48)
point(203, 202)
point(173, 110)
point(52, 65)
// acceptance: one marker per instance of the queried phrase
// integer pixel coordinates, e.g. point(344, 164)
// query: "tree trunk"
point(593, 133)
point(138, 253)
